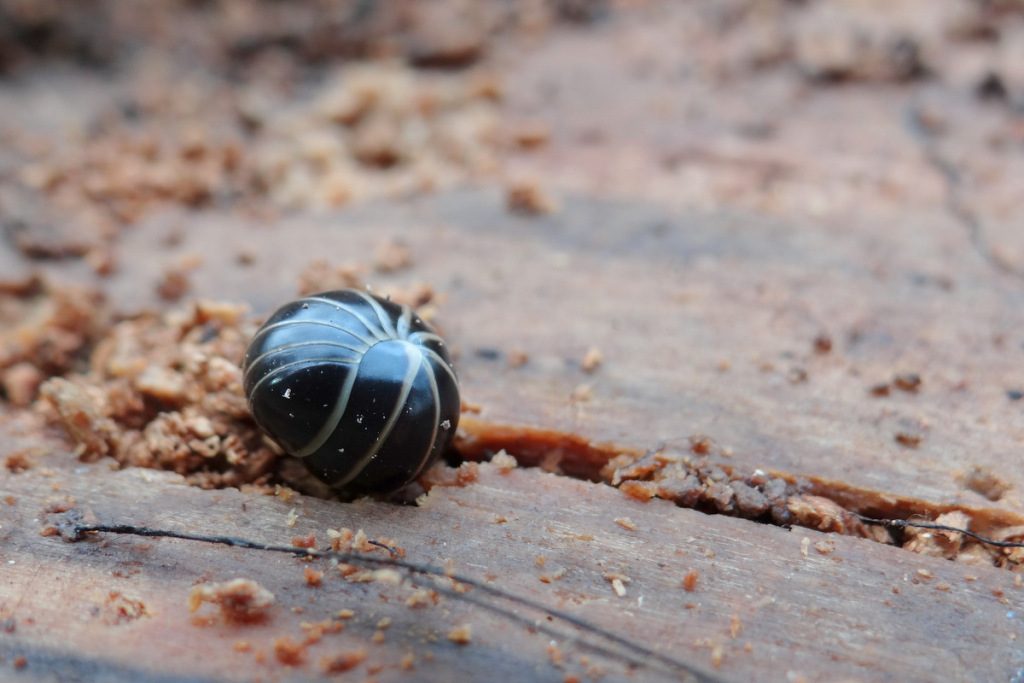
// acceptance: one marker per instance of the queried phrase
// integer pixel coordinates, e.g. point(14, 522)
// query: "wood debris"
point(461, 635)
point(240, 600)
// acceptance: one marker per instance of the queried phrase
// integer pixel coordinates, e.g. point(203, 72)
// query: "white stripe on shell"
point(278, 369)
point(405, 322)
point(323, 323)
point(421, 337)
point(295, 345)
point(385, 319)
point(437, 414)
point(378, 332)
point(440, 361)
point(333, 420)
point(403, 395)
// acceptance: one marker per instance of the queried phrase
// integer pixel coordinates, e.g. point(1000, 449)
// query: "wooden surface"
point(668, 297)
point(880, 613)
point(703, 264)
point(724, 195)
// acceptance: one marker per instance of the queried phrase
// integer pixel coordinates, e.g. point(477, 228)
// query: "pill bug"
point(357, 387)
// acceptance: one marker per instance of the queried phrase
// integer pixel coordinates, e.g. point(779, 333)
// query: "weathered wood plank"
point(706, 323)
point(703, 245)
point(814, 605)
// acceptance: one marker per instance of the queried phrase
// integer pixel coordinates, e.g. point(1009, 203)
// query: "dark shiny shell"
point(359, 388)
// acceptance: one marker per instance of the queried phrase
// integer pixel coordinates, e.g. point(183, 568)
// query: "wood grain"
point(768, 602)
point(703, 321)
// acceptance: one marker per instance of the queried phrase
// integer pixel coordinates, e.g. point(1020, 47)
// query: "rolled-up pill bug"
point(357, 387)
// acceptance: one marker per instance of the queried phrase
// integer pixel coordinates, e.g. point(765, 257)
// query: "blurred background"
point(111, 111)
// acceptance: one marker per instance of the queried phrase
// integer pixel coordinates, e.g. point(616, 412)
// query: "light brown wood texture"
point(768, 601)
point(720, 203)
point(668, 297)
point(703, 262)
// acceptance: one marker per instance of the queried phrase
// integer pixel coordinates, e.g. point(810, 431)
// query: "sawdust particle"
point(313, 577)
point(345, 661)
point(240, 600)
point(289, 652)
point(461, 635)
point(592, 360)
point(626, 523)
point(504, 462)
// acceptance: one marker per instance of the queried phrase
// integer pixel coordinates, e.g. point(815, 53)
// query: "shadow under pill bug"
point(358, 387)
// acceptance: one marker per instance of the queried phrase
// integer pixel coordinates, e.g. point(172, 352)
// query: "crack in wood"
point(693, 480)
point(424, 576)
